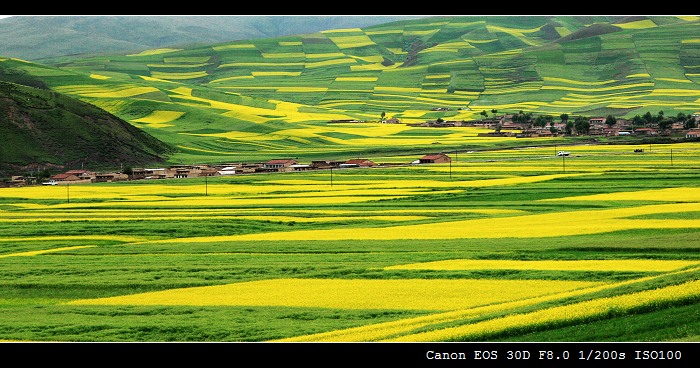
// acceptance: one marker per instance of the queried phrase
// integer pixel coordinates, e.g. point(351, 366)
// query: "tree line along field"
point(499, 245)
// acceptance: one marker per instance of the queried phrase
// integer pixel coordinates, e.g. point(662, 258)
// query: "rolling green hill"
point(44, 37)
point(41, 128)
point(260, 98)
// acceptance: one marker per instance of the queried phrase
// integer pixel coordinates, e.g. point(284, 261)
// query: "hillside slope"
point(41, 37)
point(276, 97)
point(43, 128)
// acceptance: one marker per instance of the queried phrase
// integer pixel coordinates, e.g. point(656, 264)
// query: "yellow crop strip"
point(356, 79)
point(44, 251)
point(385, 330)
point(558, 224)
point(98, 76)
point(119, 238)
point(402, 329)
point(283, 55)
point(640, 24)
point(323, 63)
point(345, 42)
point(566, 313)
point(333, 55)
point(177, 65)
point(627, 265)
point(412, 294)
point(667, 194)
point(244, 46)
point(155, 52)
point(178, 76)
point(104, 91)
point(275, 74)
point(160, 116)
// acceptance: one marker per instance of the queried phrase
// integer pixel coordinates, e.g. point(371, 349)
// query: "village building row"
point(194, 171)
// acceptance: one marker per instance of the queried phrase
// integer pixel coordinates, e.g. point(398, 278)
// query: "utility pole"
point(68, 192)
point(563, 162)
point(331, 174)
point(206, 185)
point(671, 157)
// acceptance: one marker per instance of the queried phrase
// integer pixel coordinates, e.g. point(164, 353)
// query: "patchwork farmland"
point(258, 99)
point(506, 242)
point(499, 245)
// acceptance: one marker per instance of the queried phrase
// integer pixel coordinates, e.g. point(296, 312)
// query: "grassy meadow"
point(499, 245)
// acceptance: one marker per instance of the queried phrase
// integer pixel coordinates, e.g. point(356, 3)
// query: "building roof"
point(359, 161)
point(78, 172)
point(62, 176)
point(434, 156)
point(285, 161)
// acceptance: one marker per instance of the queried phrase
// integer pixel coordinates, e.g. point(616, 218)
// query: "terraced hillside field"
point(254, 99)
point(502, 245)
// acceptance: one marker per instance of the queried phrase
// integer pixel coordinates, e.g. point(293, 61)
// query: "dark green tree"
point(665, 124)
point(582, 125)
point(564, 118)
point(610, 121)
point(569, 128)
point(637, 121)
point(540, 121)
point(690, 123)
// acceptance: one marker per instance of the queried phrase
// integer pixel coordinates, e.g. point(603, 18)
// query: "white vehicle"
point(563, 153)
point(50, 182)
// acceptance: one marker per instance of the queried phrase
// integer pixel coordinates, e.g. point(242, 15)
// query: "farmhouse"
point(280, 165)
point(226, 170)
point(391, 121)
point(361, 162)
point(110, 177)
point(437, 158)
point(597, 121)
point(64, 177)
point(137, 173)
point(82, 174)
point(189, 171)
point(16, 181)
point(325, 164)
point(646, 131)
point(693, 133)
point(301, 167)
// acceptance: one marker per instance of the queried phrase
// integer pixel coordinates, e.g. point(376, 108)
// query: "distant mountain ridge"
point(40, 37)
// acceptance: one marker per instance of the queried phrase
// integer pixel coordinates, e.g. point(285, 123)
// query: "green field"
point(256, 99)
point(499, 245)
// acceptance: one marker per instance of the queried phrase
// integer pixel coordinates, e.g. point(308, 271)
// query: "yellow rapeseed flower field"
point(566, 313)
point(415, 294)
point(558, 224)
point(618, 265)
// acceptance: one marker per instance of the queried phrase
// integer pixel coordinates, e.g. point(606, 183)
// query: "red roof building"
point(437, 158)
point(64, 177)
point(361, 162)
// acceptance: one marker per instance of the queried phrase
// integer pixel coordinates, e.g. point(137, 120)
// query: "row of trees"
point(581, 124)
